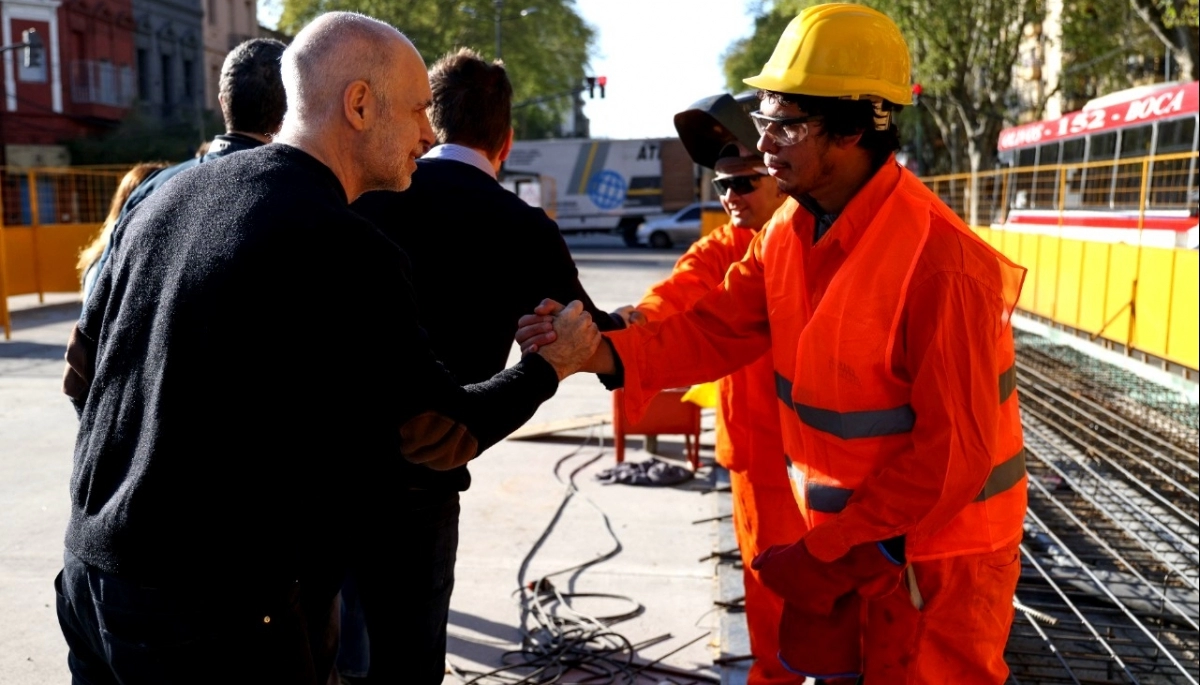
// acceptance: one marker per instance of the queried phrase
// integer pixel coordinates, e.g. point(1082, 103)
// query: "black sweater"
point(475, 246)
point(247, 364)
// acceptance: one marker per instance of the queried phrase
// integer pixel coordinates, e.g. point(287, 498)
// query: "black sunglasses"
point(738, 184)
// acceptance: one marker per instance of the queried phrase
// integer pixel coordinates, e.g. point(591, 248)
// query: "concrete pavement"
point(514, 498)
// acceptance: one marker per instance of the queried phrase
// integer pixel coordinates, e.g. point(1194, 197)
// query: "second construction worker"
point(888, 322)
point(718, 134)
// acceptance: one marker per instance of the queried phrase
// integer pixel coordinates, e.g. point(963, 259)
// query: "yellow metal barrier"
point(1143, 298)
point(49, 215)
point(1162, 182)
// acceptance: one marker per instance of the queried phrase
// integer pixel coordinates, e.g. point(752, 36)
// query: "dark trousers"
point(404, 583)
point(123, 633)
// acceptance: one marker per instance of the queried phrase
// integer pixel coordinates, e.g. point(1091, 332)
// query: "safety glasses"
point(783, 131)
point(740, 185)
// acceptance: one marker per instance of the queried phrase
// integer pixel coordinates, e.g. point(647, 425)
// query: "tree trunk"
point(1181, 40)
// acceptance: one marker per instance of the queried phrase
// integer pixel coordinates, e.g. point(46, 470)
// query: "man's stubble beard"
point(385, 170)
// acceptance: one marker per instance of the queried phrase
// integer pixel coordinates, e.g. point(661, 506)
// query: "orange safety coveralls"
point(748, 444)
point(947, 340)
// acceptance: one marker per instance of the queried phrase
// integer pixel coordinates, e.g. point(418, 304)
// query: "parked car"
point(682, 227)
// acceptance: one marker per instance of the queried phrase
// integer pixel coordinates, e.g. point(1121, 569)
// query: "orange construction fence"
point(48, 216)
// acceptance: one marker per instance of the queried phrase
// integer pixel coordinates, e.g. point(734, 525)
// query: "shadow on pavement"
point(44, 315)
point(31, 350)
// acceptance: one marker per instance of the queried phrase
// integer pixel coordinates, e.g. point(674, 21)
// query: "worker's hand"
point(631, 316)
point(576, 339)
point(813, 586)
point(537, 329)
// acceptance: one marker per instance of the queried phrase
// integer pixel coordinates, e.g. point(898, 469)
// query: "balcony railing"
point(101, 83)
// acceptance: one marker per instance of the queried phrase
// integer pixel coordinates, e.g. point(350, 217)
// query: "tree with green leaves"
point(544, 44)
point(1175, 23)
point(1099, 62)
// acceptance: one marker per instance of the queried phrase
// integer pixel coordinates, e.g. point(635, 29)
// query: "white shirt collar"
point(464, 154)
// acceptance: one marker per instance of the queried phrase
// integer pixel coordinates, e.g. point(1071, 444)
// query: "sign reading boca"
point(1126, 108)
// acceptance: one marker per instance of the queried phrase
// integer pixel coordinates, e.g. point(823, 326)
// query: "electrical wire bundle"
point(557, 639)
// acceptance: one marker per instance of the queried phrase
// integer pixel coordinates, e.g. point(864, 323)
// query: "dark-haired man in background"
point(252, 102)
point(460, 228)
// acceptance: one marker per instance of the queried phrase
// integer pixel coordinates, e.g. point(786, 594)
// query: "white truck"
point(598, 185)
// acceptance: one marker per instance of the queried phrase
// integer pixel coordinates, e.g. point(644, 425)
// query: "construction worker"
point(718, 134)
point(888, 322)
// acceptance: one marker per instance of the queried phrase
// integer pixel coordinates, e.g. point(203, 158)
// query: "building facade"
point(227, 23)
point(83, 82)
point(169, 54)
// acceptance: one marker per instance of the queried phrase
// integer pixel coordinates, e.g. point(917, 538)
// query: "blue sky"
point(659, 57)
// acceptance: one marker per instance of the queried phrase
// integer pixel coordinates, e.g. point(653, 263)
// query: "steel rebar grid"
point(1112, 537)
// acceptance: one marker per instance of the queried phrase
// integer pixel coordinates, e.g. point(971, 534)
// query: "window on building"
point(143, 75)
point(189, 82)
point(212, 12)
point(32, 74)
point(168, 90)
point(214, 81)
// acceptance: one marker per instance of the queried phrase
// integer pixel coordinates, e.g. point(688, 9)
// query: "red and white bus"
point(1123, 169)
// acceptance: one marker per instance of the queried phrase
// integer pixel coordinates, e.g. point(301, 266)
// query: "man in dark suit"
point(460, 228)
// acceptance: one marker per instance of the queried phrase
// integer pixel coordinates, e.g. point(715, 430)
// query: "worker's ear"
point(847, 142)
point(357, 102)
point(507, 148)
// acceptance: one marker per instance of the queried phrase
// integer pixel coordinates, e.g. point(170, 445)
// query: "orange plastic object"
point(667, 414)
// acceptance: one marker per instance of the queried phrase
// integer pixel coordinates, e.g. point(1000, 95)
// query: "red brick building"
point(84, 84)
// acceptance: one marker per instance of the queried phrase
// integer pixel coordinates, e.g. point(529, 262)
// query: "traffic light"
point(916, 91)
point(33, 48)
point(592, 82)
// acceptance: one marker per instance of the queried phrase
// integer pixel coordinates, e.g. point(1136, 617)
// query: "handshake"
point(565, 336)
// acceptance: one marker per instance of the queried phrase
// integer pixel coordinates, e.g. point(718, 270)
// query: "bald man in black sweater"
point(227, 439)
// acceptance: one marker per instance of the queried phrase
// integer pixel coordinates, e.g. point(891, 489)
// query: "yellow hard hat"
point(842, 51)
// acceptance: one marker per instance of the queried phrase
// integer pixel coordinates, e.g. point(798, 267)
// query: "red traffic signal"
point(592, 82)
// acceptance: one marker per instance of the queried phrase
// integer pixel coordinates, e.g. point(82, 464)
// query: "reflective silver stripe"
point(827, 499)
point(1008, 383)
point(858, 424)
point(830, 499)
point(867, 424)
point(783, 389)
point(1004, 476)
point(851, 424)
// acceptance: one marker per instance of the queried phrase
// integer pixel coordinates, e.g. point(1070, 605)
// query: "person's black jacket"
point(222, 145)
point(253, 381)
point(478, 249)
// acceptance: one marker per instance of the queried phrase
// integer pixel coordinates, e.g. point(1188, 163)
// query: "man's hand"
point(631, 316)
point(537, 329)
point(575, 338)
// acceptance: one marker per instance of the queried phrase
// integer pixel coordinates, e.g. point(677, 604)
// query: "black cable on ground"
point(559, 640)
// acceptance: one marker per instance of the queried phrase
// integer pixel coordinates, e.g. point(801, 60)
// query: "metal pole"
point(499, 8)
point(5, 319)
